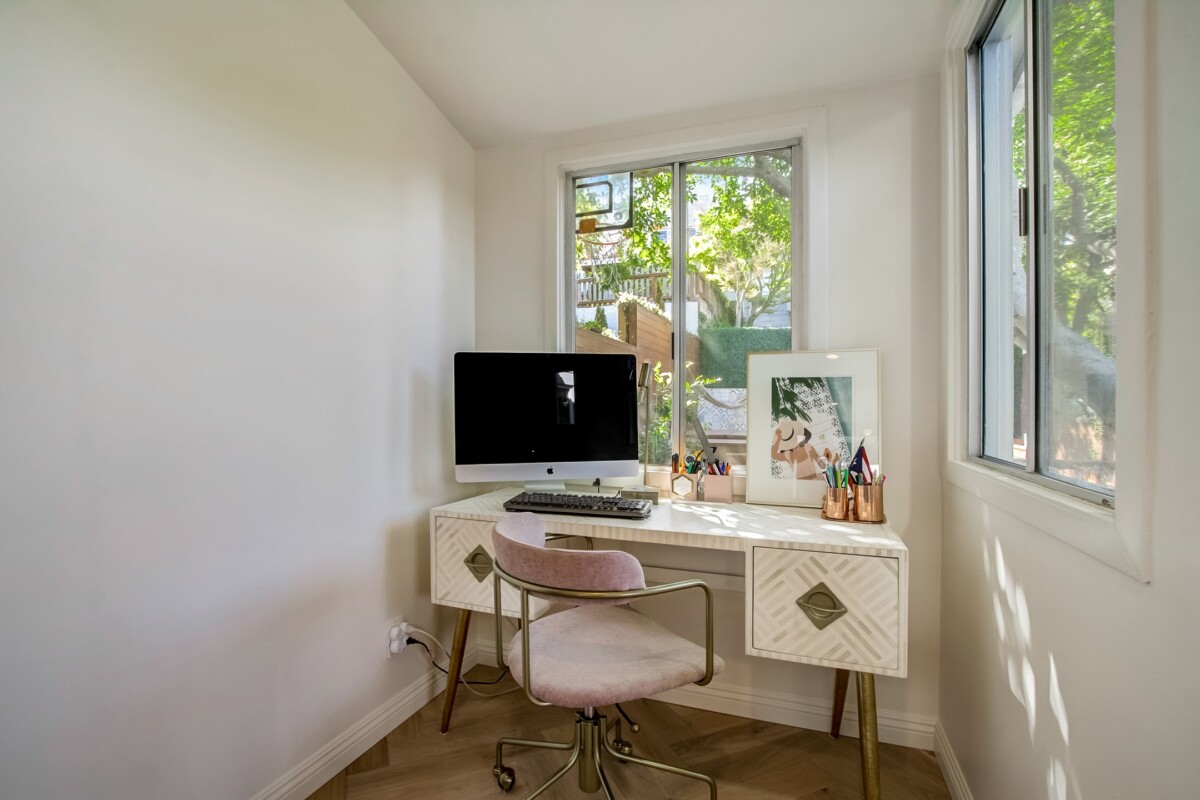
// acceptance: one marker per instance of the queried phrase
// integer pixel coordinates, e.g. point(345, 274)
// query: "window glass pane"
point(1006, 345)
point(623, 282)
point(739, 288)
point(1080, 396)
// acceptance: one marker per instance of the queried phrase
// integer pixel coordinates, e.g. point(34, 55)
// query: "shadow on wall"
point(1032, 679)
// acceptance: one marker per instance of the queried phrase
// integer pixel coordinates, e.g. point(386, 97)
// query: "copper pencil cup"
point(835, 504)
point(868, 503)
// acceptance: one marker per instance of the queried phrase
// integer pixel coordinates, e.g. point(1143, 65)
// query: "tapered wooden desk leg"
point(840, 682)
point(868, 735)
point(456, 660)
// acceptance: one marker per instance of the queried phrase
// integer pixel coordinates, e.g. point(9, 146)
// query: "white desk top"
point(713, 526)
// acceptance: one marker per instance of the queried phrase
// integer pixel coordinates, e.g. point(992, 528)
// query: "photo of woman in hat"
point(791, 445)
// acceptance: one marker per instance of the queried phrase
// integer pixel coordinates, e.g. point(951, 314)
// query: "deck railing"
point(654, 286)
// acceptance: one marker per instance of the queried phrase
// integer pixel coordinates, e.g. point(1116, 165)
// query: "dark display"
point(544, 415)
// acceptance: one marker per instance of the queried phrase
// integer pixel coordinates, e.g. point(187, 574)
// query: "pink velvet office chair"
point(599, 652)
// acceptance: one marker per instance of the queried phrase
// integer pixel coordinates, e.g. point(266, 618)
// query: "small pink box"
point(718, 488)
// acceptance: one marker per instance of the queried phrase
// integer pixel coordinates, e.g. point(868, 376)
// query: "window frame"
point(749, 134)
point(1117, 537)
point(679, 235)
point(1038, 213)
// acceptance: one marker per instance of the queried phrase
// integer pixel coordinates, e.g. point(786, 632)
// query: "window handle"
point(1023, 211)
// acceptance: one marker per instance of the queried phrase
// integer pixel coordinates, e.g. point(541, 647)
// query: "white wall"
point(883, 201)
point(236, 252)
point(1063, 678)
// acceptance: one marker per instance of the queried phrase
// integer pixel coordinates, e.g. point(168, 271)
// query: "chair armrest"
point(583, 594)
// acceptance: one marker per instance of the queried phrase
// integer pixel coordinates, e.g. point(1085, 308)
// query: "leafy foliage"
point(626, 297)
point(785, 397)
point(723, 350)
point(660, 426)
point(1083, 103)
point(744, 241)
point(742, 245)
point(596, 327)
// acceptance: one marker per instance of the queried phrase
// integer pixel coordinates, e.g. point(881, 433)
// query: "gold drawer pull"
point(479, 562)
point(821, 606)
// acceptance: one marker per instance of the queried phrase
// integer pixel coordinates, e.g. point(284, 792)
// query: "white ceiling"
point(504, 71)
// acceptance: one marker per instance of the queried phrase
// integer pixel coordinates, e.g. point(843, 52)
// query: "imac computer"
point(544, 417)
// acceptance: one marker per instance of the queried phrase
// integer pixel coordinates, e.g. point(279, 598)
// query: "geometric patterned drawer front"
point(866, 636)
point(455, 584)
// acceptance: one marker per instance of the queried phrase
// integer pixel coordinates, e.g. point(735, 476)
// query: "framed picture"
point(798, 405)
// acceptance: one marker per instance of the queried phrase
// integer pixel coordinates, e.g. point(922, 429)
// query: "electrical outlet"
point(397, 637)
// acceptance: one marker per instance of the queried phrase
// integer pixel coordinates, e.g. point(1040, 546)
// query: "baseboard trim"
point(956, 781)
point(313, 772)
point(907, 730)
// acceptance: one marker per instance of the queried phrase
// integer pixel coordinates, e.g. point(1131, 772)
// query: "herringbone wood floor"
point(750, 760)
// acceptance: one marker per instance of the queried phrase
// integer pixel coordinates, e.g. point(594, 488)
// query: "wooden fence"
point(591, 342)
point(643, 333)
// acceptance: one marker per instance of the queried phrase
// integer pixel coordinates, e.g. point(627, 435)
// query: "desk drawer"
point(462, 575)
point(866, 636)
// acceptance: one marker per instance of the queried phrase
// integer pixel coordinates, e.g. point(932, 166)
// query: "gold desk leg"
point(868, 735)
point(456, 660)
point(840, 683)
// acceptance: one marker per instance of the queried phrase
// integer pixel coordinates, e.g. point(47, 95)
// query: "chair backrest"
point(519, 541)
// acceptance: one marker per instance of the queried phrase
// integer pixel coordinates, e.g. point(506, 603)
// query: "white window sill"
point(1082, 525)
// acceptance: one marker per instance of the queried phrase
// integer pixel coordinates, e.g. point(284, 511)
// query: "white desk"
point(788, 551)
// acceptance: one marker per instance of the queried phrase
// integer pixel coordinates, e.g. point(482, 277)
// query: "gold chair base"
point(587, 747)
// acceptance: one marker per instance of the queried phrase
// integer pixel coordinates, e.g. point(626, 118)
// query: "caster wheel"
point(625, 749)
point(505, 777)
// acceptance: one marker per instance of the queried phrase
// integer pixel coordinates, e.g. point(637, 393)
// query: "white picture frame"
point(811, 401)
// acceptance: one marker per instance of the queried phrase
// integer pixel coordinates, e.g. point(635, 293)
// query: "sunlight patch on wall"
point(1017, 658)
point(1058, 706)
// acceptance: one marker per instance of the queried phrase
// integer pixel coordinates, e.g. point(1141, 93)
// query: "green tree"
point(743, 245)
point(660, 426)
point(1083, 105)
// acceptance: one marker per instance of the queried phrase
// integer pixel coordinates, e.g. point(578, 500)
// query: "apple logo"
point(549, 470)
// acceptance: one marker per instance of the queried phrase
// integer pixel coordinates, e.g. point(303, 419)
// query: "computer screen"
point(544, 416)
